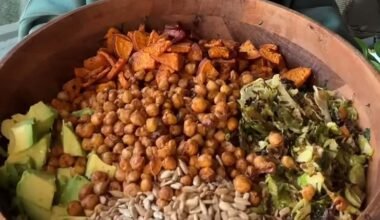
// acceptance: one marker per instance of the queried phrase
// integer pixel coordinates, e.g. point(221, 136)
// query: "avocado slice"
point(35, 212)
point(22, 136)
point(37, 188)
point(94, 163)
point(72, 188)
point(44, 116)
point(37, 153)
point(71, 144)
point(63, 177)
point(10, 174)
point(7, 124)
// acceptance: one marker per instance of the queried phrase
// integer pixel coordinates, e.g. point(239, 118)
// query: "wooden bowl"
point(39, 65)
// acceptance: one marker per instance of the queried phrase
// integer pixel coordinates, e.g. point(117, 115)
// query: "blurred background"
point(362, 17)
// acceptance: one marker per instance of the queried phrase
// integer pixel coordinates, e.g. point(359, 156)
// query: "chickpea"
point(340, 203)
point(232, 124)
point(155, 166)
point(189, 127)
point(97, 139)
point(160, 99)
point(66, 160)
point(241, 165)
point(200, 90)
point(118, 128)
point(99, 176)
point(263, 165)
point(126, 154)
point(126, 97)
point(220, 97)
point(225, 89)
point(107, 157)
point(169, 163)
point(137, 162)
point(125, 165)
point(211, 143)
point(221, 110)
point(102, 149)
point(162, 140)
point(254, 198)
point(212, 94)
point(191, 147)
point(129, 139)
point(129, 129)
point(166, 193)
point(275, 139)
point(118, 148)
point(74, 208)
point(90, 201)
point(85, 130)
point(201, 129)
point(246, 77)
point(169, 118)
point(242, 184)
point(228, 158)
point(233, 107)
point(149, 76)
point(220, 136)
point(56, 151)
point(251, 171)
point(204, 160)
point(138, 149)
point(207, 120)
point(131, 190)
point(186, 180)
point(190, 68)
point(288, 162)
point(124, 115)
point(152, 124)
point(146, 141)
point(207, 174)
point(80, 166)
point(177, 101)
point(106, 130)
point(239, 153)
point(234, 173)
point(133, 176)
point(212, 86)
point(250, 158)
point(101, 97)
point(193, 171)
point(199, 105)
point(87, 189)
point(114, 185)
point(110, 118)
point(111, 140)
point(221, 172)
point(199, 139)
point(120, 175)
point(100, 187)
point(193, 160)
point(161, 203)
point(146, 185)
point(308, 192)
point(137, 118)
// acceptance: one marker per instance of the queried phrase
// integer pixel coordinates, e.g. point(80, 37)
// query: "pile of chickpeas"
point(149, 126)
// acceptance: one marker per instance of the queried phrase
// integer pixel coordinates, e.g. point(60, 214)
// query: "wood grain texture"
point(37, 67)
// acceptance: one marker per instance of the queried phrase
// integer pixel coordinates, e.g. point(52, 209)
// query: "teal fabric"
point(326, 12)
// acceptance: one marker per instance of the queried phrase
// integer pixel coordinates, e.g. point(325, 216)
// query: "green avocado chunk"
point(36, 188)
point(37, 153)
point(35, 212)
point(71, 144)
point(44, 116)
point(94, 163)
point(21, 136)
point(72, 188)
point(59, 213)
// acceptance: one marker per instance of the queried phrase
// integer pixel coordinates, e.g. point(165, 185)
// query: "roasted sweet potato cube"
point(298, 75)
point(180, 48)
point(81, 72)
point(249, 51)
point(214, 43)
point(172, 60)
point(224, 66)
point(157, 48)
point(141, 61)
point(123, 46)
point(273, 47)
point(206, 69)
point(272, 56)
point(264, 72)
point(230, 44)
point(218, 52)
point(139, 40)
point(95, 62)
point(195, 53)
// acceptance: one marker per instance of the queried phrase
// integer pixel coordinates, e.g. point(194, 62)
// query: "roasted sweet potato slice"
point(81, 72)
point(298, 75)
point(153, 38)
point(109, 39)
point(172, 60)
point(206, 69)
point(116, 69)
point(271, 55)
point(195, 53)
point(230, 44)
point(273, 47)
point(123, 46)
point(95, 62)
point(249, 51)
point(141, 61)
point(218, 52)
point(139, 40)
point(184, 47)
point(157, 48)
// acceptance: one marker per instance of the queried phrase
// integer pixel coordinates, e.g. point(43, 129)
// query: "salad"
point(163, 125)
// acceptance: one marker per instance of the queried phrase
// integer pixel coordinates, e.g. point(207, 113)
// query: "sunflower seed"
point(155, 208)
point(221, 191)
point(227, 198)
point(196, 181)
point(158, 215)
point(241, 201)
point(140, 210)
point(183, 167)
point(246, 196)
point(192, 203)
point(189, 189)
point(239, 206)
point(224, 215)
point(176, 185)
point(243, 216)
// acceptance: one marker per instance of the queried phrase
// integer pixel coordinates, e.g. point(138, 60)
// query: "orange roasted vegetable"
point(297, 75)
point(123, 46)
